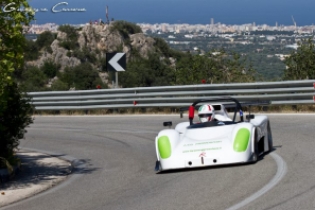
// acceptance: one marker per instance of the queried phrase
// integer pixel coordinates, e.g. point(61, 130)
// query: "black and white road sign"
point(115, 61)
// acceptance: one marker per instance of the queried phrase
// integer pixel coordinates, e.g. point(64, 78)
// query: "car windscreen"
point(211, 124)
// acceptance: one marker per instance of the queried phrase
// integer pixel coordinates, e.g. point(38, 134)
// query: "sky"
point(182, 11)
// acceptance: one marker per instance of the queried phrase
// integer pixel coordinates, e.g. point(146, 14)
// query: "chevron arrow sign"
point(116, 61)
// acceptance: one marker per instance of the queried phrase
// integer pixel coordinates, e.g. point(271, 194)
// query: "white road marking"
point(282, 170)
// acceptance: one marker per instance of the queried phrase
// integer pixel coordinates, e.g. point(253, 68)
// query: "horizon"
point(227, 12)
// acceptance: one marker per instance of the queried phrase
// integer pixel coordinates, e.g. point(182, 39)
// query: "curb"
point(38, 172)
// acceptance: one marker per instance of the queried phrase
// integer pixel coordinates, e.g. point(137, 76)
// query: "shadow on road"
point(37, 167)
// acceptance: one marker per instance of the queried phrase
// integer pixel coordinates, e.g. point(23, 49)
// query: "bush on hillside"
point(31, 51)
point(71, 41)
point(50, 68)
point(82, 77)
point(33, 79)
point(72, 33)
point(45, 39)
point(125, 28)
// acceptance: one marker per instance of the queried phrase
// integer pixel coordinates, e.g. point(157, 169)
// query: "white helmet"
point(206, 113)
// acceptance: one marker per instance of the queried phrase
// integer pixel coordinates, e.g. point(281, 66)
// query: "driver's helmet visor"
point(204, 115)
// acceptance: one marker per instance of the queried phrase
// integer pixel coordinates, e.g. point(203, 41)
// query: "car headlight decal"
point(164, 146)
point(241, 140)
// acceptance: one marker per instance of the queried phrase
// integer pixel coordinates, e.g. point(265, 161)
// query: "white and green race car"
point(220, 142)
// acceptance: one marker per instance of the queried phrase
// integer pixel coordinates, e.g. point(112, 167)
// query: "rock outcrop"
point(142, 43)
point(97, 39)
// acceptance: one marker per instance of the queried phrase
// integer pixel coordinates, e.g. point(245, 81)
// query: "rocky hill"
point(76, 59)
point(92, 40)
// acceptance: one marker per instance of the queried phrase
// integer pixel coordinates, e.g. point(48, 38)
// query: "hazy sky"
point(185, 11)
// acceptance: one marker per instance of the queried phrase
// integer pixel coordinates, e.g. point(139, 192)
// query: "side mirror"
point(250, 116)
point(168, 123)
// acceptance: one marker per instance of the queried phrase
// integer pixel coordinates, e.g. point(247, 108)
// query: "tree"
point(50, 68)
point(14, 109)
point(218, 67)
point(82, 77)
point(12, 40)
point(44, 40)
point(31, 51)
point(33, 79)
point(301, 63)
point(13, 120)
point(147, 72)
point(233, 68)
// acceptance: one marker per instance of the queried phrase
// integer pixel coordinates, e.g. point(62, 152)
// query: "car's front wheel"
point(255, 155)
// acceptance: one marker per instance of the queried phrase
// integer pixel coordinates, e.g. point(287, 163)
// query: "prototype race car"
point(219, 142)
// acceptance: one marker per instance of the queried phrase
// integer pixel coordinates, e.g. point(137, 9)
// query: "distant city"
point(212, 28)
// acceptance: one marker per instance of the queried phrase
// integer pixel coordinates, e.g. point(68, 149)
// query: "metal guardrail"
point(279, 93)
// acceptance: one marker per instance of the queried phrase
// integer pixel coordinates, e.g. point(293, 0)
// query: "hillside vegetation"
point(75, 58)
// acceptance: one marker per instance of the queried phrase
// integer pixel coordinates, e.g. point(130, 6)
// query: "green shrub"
point(59, 85)
point(33, 79)
point(85, 55)
point(50, 68)
point(45, 39)
point(49, 49)
point(125, 28)
point(71, 42)
point(71, 32)
point(15, 115)
point(31, 51)
point(82, 77)
point(162, 47)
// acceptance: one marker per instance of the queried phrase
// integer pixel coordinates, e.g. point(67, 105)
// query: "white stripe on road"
point(282, 170)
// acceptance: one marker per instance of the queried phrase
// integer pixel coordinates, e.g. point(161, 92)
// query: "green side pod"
point(164, 146)
point(241, 140)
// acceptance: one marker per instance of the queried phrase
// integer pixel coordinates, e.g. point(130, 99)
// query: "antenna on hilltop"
point(107, 15)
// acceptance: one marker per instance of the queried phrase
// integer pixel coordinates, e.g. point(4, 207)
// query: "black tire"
point(270, 142)
point(255, 155)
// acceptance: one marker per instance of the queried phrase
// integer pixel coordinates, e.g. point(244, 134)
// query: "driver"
point(206, 113)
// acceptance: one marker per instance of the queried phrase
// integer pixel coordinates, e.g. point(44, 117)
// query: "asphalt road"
point(115, 159)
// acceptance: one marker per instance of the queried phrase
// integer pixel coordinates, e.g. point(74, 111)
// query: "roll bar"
point(191, 110)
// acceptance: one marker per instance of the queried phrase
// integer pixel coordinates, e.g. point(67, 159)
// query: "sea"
point(230, 12)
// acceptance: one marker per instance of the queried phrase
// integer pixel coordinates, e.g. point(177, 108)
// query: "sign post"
point(116, 75)
point(116, 62)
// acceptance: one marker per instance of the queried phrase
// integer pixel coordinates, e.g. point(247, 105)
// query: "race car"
point(222, 141)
